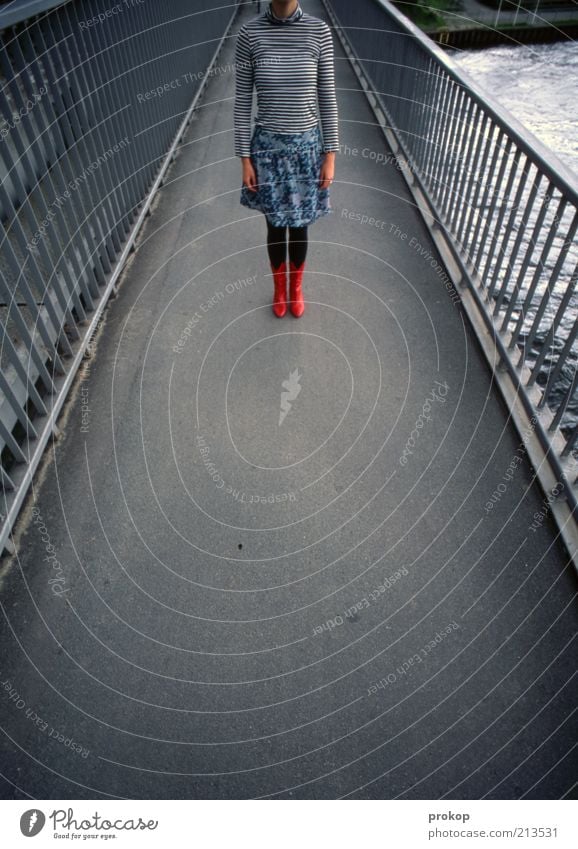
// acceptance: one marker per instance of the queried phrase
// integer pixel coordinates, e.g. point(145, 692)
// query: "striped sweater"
point(289, 62)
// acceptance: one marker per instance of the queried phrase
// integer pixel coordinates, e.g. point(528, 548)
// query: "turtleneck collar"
point(274, 19)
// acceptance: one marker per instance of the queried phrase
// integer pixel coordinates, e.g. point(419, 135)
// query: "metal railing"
point(94, 98)
point(507, 206)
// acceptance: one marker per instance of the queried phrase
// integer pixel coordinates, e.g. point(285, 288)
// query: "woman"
point(288, 160)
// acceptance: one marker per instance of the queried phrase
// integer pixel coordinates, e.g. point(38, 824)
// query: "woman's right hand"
point(249, 175)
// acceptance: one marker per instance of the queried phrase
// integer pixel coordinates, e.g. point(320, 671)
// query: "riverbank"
point(470, 23)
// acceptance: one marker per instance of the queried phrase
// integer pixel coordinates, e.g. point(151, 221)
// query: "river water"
point(538, 84)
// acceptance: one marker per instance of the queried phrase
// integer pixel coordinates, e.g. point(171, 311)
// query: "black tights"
point(277, 244)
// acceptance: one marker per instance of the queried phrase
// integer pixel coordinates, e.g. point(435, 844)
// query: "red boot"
point(296, 302)
point(280, 295)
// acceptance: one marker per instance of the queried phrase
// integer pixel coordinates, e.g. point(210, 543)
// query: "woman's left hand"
point(327, 170)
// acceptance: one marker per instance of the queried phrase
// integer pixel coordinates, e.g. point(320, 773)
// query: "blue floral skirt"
point(287, 166)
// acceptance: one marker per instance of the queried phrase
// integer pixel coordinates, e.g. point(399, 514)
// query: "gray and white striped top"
point(289, 62)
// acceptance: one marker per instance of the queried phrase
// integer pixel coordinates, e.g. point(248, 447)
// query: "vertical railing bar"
point(421, 158)
point(512, 255)
point(555, 373)
point(479, 203)
point(394, 59)
point(448, 169)
point(417, 112)
point(445, 88)
point(491, 225)
point(570, 443)
point(472, 188)
point(6, 481)
point(509, 227)
point(420, 120)
point(560, 314)
point(404, 91)
point(451, 91)
point(528, 253)
point(466, 144)
point(563, 406)
point(555, 276)
point(448, 164)
point(448, 93)
point(536, 278)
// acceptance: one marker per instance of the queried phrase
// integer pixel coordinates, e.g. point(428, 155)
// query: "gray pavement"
point(211, 604)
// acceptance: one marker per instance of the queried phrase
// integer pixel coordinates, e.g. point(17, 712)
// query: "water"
point(538, 85)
